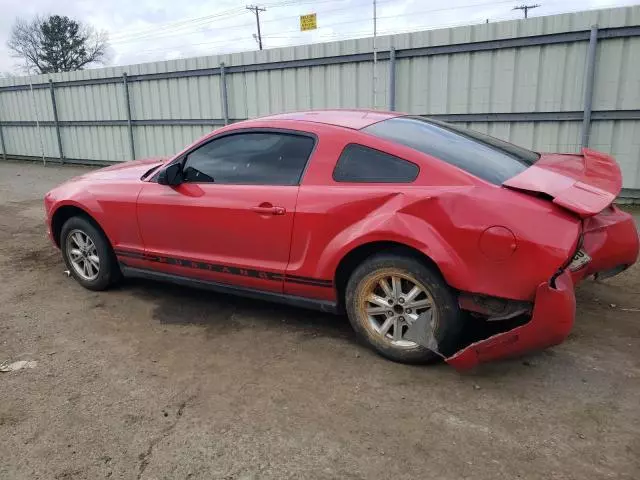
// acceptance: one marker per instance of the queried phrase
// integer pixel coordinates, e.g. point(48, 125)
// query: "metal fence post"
point(2, 144)
point(55, 120)
point(132, 145)
point(588, 89)
point(4, 148)
point(223, 94)
point(392, 79)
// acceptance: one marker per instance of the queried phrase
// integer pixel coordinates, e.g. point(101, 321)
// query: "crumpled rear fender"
point(449, 226)
point(391, 222)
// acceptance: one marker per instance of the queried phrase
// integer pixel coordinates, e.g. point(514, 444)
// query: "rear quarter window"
point(485, 157)
point(360, 164)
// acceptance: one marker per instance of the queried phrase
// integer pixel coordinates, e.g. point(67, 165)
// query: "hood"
point(132, 170)
point(585, 184)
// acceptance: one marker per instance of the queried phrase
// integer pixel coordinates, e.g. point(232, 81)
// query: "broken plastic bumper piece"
point(551, 321)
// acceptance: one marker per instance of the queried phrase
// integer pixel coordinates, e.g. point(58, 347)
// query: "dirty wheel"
point(385, 297)
point(87, 254)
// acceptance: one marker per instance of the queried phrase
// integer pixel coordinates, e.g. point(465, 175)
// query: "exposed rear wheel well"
point(356, 256)
point(65, 213)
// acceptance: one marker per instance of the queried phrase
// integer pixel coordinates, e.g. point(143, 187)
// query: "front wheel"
point(88, 254)
point(385, 296)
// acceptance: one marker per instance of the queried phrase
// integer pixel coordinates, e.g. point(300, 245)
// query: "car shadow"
point(225, 314)
point(178, 305)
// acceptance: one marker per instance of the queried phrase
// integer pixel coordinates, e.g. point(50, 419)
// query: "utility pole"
point(256, 9)
point(375, 56)
point(526, 8)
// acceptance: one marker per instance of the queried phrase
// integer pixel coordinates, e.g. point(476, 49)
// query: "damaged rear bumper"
point(551, 321)
point(611, 240)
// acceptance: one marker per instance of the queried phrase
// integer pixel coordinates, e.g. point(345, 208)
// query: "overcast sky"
point(150, 30)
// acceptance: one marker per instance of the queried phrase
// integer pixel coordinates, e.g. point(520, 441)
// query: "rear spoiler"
point(584, 184)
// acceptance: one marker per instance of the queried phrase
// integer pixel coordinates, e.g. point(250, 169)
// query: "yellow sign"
point(308, 22)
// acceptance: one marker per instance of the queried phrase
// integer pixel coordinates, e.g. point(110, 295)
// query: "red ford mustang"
point(437, 241)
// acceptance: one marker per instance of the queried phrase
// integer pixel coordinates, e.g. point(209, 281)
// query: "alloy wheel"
point(391, 301)
point(83, 255)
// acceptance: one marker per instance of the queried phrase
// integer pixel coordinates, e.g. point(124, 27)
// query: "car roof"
point(355, 119)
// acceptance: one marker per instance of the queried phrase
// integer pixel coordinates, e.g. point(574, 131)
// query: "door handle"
point(269, 210)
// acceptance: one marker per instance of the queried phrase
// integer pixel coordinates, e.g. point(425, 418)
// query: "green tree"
point(56, 44)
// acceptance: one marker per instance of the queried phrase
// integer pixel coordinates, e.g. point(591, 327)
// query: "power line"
point(328, 36)
point(173, 29)
point(287, 3)
point(340, 35)
point(161, 34)
point(526, 8)
point(191, 28)
point(359, 20)
point(185, 30)
point(161, 28)
point(367, 5)
point(349, 35)
point(256, 9)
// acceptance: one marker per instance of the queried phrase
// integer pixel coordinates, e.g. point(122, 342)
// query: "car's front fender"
point(112, 205)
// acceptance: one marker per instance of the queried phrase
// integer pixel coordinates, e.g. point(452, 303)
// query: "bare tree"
point(25, 42)
point(56, 44)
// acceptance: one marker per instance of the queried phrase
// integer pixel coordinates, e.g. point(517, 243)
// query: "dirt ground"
point(156, 381)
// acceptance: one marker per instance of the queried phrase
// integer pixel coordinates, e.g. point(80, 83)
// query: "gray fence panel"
point(523, 81)
point(31, 141)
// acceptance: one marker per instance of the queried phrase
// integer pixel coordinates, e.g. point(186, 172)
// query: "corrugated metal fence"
point(548, 83)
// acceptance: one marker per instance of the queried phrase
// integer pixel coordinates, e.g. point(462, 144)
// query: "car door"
point(231, 218)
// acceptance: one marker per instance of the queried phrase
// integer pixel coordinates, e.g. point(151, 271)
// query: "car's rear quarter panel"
point(444, 224)
point(442, 214)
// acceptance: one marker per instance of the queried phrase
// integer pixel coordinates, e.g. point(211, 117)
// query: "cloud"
point(151, 30)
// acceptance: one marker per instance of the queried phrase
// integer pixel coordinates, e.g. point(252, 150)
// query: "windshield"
point(481, 155)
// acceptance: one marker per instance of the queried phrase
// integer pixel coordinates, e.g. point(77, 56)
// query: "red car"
point(437, 241)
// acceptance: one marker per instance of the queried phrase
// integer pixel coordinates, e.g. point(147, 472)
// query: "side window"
point(250, 159)
point(361, 164)
point(485, 157)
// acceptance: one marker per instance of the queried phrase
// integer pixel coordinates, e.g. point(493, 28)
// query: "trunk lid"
point(584, 183)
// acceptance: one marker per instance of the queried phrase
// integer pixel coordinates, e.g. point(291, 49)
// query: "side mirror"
point(172, 175)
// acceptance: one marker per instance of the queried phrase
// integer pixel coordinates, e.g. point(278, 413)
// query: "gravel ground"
point(155, 381)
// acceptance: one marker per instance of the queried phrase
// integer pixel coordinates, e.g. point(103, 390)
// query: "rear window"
point(361, 164)
point(481, 155)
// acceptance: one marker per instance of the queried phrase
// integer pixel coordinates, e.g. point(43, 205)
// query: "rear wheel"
point(88, 254)
point(385, 296)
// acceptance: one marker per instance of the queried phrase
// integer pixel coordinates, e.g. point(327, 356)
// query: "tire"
point(365, 281)
point(107, 273)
